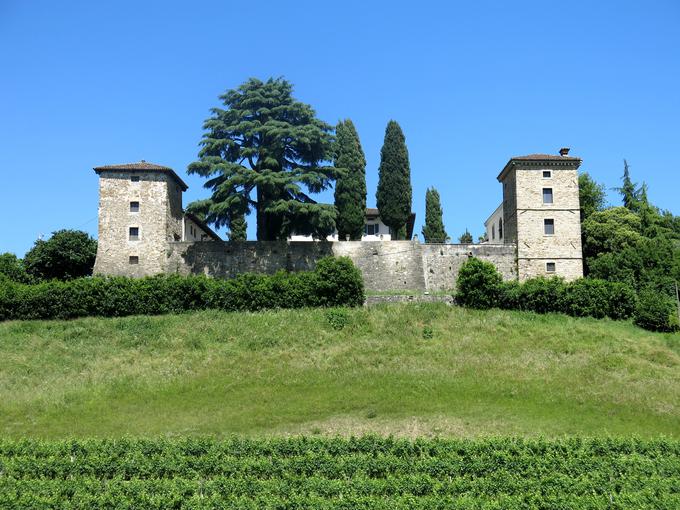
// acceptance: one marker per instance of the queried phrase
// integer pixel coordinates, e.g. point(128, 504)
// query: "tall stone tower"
point(541, 214)
point(140, 211)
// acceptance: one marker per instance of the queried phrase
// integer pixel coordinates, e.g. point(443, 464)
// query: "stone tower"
point(541, 214)
point(140, 211)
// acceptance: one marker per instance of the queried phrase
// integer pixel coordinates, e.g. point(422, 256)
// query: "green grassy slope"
point(290, 372)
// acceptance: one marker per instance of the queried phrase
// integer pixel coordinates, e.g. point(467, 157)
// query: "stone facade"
point(537, 189)
point(140, 212)
point(385, 265)
point(143, 230)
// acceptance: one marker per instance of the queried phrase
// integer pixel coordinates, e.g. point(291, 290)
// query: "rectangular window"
point(549, 227)
point(371, 230)
point(550, 267)
point(134, 259)
point(547, 174)
point(134, 233)
point(134, 206)
point(547, 196)
point(134, 178)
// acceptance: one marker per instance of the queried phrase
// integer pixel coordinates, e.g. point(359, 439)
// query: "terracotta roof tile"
point(143, 166)
point(546, 157)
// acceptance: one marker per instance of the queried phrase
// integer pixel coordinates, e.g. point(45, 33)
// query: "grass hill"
point(409, 370)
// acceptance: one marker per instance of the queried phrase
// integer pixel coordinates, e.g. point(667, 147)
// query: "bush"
point(542, 295)
point(13, 268)
point(479, 284)
point(656, 311)
point(335, 282)
point(587, 297)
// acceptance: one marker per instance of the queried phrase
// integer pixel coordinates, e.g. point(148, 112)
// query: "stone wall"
point(385, 265)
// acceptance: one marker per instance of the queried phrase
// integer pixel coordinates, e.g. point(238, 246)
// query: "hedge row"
point(480, 285)
point(325, 473)
point(334, 282)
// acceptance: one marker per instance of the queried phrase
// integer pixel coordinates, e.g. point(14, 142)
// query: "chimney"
point(564, 151)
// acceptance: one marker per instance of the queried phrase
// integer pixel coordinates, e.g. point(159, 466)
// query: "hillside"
point(408, 370)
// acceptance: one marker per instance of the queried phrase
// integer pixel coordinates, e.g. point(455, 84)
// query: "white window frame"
point(552, 196)
point(554, 269)
point(546, 224)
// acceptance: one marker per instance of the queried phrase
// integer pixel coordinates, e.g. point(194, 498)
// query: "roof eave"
point(536, 162)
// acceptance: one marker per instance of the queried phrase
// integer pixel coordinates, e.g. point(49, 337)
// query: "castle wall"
point(385, 265)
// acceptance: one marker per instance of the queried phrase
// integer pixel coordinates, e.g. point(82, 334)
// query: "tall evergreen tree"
point(394, 183)
point(265, 151)
point(433, 229)
point(628, 189)
point(350, 188)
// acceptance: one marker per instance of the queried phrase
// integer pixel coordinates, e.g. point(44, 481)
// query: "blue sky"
point(471, 83)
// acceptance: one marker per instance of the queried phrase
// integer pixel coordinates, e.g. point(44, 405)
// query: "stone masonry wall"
point(385, 265)
point(116, 191)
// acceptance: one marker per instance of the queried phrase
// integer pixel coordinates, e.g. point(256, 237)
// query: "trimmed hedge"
point(334, 282)
point(482, 287)
point(368, 473)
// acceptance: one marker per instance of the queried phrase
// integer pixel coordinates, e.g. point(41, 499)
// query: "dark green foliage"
point(334, 282)
point(657, 312)
point(370, 472)
point(265, 151)
point(394, 184)
point(611, 230)
point(238, 228)
point(542, 295)
point(338, 318)
point(433, 229)
point(350, 188)
point(13, 268)
point(598, 298)
point(479, 284)
point(592, 195)
point(628, 190)
point(465, 238)
point(66, 255)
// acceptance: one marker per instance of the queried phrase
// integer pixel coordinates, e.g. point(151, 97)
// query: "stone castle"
point(536, 231)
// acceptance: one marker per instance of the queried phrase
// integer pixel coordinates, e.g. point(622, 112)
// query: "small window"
point(134, 206)
point(371, 230)
point(547, 174)
point(550, 267)
point(500, 228)
point(134, 259)
point(549, 227)
point(134, 178)
point(134, 233)
point(547, 196)
point(493, 232)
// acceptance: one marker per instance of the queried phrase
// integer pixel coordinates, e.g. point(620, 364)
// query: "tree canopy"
point(265, 151)
point(394, 181)
point(66, 255)
point(433, 229)
point(350, 188)
point(592, 195)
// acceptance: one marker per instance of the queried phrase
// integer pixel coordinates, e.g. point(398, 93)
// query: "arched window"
point(493, 232)
point(500, 228)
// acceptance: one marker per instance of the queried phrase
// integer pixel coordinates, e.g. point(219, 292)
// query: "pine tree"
point(266, 145)
point(465, 238)
point(350, 188)
point(433, 230)
point(394, 183)
point(628, 190)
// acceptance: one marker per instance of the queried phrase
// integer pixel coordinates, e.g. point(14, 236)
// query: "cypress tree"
point(394, 184)
point(238, 230)
point(433, 230)
point(350, 188)
point(628, 190)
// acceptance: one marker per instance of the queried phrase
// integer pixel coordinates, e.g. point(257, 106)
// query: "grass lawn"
point(409, 370)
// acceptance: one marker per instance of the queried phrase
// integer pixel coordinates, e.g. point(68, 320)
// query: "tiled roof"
point(143, 166)
point(546, 157)
point(372, 211)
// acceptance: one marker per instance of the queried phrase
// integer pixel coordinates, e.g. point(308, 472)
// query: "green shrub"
point(335, 282)
point(337, 318)
point(588, 297)
point(479, 284)
point(542, 295)
point(656, 311)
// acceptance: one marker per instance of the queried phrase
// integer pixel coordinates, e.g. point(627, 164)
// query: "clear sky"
point(471, 83)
